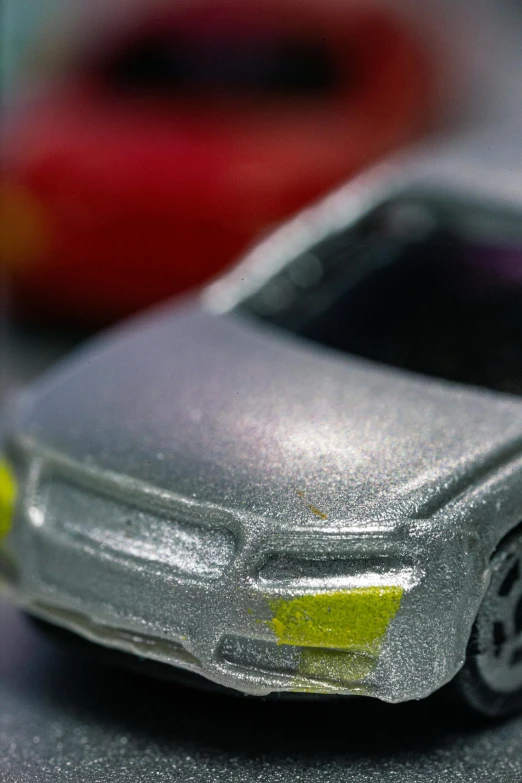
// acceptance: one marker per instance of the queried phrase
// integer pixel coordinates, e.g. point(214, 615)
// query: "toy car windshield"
point(423, 285)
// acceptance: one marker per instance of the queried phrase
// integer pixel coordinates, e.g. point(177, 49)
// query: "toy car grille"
point(307, 669)
point(106, 523)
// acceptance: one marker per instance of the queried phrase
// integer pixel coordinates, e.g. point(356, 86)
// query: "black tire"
point(490, 681)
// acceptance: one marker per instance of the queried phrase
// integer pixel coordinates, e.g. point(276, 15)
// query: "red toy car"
point(165, 153)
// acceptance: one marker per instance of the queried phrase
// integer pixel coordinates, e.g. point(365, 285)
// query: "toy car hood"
point(243, 416)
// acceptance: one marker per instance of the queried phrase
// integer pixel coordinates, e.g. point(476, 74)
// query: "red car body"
point(165, 153)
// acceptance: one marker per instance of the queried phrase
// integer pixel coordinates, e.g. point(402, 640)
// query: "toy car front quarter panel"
point(300, 520)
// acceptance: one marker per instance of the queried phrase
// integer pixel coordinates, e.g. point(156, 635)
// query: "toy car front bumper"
point(232, 596)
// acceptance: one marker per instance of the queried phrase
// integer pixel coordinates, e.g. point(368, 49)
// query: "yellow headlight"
point(7, 497)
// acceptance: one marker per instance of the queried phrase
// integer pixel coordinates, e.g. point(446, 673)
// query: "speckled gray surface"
point(67, 719)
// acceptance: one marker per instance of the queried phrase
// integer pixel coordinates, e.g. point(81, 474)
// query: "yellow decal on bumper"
point(7, 497)
point(341, 632)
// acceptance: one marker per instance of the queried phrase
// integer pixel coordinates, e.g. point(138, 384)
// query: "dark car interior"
point(439, 305)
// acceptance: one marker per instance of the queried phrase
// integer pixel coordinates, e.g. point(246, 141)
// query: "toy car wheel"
point(491, 679)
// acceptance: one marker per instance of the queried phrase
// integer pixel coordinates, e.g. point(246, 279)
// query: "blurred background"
point(146, 144)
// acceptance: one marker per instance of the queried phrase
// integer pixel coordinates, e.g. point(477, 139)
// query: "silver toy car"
point(293, 482)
